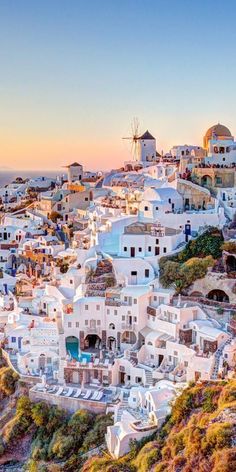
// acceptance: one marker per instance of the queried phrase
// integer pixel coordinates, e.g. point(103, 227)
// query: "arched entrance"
point(218, 296)
point(231, 264)
point(206, 181)
point(128, 337)
point(91, 342)
point(42, 361)
point(72, 347)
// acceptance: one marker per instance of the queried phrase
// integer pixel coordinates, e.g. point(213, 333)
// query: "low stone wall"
point(25, 378)
point(68, 403)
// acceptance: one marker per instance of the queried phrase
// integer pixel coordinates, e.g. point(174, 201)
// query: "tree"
point(54, 216)
point(8, 380)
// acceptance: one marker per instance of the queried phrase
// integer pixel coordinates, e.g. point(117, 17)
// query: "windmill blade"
point(135, 127)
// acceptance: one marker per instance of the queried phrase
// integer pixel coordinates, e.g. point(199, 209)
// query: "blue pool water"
point(72, 348)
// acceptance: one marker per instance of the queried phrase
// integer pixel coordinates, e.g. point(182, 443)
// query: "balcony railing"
point(129, 326)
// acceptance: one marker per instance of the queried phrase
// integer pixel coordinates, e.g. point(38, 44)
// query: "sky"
point(74, 73)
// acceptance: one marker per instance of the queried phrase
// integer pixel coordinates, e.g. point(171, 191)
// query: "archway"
point(218, 296)
point(42, 361)
point(72, 347)
point(231, 263)
point(128, 337)
point(91, 342)
point(206, 181)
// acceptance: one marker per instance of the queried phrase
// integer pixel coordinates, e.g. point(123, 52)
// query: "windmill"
point(134, 138)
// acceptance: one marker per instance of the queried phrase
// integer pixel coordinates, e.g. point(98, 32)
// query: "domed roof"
point(218, 130)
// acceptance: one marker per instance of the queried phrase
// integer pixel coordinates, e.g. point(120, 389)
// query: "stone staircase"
point(149, 379)
point(122, 407)
point(218, 355)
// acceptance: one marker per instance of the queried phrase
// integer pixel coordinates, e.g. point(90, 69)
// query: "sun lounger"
point(87, 394)
point(106, 362)
point(77, 393)
point(94, 397)
point(59, 392)
point(53, 389)
point(84, 361)
point(96, 362)
point(69, 393)
point(99, 396)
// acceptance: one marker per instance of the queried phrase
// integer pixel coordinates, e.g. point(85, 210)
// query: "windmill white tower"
point(143, 147)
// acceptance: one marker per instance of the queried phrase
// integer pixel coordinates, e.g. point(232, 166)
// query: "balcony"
point(113, 302)
point(129, 326)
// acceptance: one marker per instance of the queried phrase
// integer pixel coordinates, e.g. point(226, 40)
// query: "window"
point(135, 301)
point(123, 318)
point(86, 307)
point(157, 241)
point(13, 339)
point(139, 249)
point(69, 324)
point(169, 200)
point(98, 322)
point(86, 199)
point(145, 208)
point(135, 319)
point(125, 249)
point(115, 312)
point(108, 311)
point(133, 272)
point(146, 273)
point(149, 248)
point(86, 322)
point(164, 249)
point(97, 307)
point(157, 208)
point(71, 281)
point(77, 324)
point(125, 299)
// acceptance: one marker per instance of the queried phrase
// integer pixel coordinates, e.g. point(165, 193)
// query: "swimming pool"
point(72, 348)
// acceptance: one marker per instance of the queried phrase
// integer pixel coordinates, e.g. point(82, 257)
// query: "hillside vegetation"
point(200, 435)
point(190, 264)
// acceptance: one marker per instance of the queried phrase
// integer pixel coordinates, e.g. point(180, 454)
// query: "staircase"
point(149, 379)
point(218, 356)
point(123, 407)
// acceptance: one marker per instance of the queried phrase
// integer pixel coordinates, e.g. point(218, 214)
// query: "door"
point(133, 277)
point(157, 251)
point(19, 343)
point(132, 252)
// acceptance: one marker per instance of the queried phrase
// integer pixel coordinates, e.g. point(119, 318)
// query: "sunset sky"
point(73, 74)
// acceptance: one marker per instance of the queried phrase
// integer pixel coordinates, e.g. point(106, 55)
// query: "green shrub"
point(8, 380)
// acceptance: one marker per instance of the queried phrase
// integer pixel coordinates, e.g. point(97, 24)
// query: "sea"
point(7, 176)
